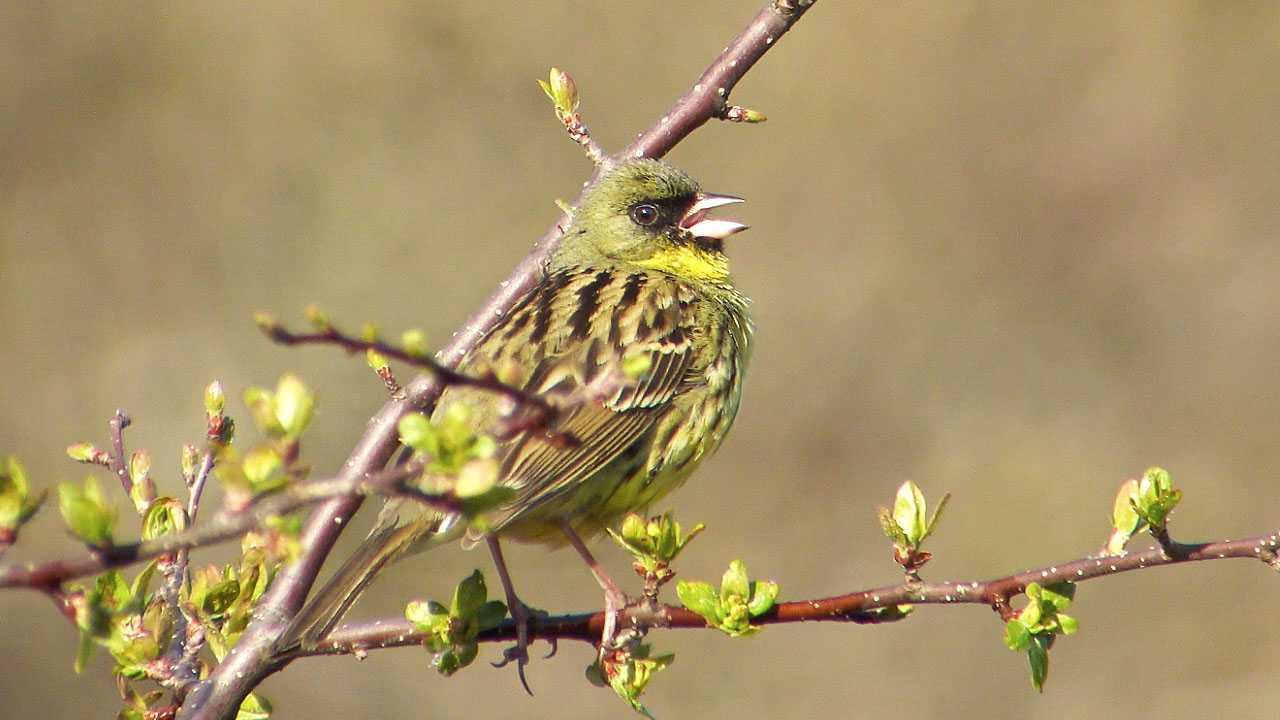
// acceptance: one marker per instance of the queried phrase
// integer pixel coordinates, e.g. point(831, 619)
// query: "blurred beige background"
point(1018, 253)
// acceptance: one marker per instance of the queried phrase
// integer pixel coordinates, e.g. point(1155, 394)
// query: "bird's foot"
point(615, 603)
point(518, 653)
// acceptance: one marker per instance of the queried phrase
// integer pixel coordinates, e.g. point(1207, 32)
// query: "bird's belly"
point(634, 480)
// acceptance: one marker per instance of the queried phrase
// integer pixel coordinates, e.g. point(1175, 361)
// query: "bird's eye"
point(644, 214)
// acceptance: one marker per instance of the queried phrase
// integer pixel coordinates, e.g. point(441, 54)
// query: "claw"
point(555, 645)
point(520, 656)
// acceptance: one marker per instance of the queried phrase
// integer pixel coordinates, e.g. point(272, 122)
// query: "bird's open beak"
point(696, 222)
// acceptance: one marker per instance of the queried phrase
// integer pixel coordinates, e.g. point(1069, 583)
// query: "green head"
point(647, 214)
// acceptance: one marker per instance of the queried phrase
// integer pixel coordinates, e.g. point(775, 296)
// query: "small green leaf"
point(426, 616)
point(215, 399)
point(264, 468)
point(490, 615)
point(629, 675)
point(469, 596)
point(294, 405)
point(190, 462)
point(1038, 656)
point(562, 91)
point(262, 408)
point(86, 453)
point(221, 596)
point(254, 707)
point(414, 342)
point(476, 478)
point(86, 512)
point(937, 515)
point(447, 662)
point(1125, 520)
point(144, 488)
point(318, 319)
point(163, 516)
point(699, 597)
point(17, 505)
point(415, 431)
point(1059, 595)
point(1068, 624)
point(84, 652)
point(376, 360)
point(763, 595)
point(735, 582)
point(909, 512)
point(1016, 635)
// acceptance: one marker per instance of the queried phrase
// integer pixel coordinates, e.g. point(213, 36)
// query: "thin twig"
point(116, 461)
point(858, 607)
point(542, 411)
point(227, 526)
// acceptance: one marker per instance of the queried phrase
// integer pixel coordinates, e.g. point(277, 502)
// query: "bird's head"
point(647, 214)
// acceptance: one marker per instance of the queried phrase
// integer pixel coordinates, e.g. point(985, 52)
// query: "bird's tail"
point(327, 607)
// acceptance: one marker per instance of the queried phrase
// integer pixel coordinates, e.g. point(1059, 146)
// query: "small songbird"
point(639, 280)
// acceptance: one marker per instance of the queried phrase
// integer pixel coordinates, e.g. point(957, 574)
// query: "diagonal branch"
point(858, 606)
point(220, 696)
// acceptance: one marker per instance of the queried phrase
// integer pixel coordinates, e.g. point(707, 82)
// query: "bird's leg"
point(519, 615)
point(615, 601)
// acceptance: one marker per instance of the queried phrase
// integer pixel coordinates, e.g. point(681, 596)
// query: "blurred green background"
point(1015, 251)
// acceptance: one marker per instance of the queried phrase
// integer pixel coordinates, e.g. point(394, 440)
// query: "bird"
point(634, 314)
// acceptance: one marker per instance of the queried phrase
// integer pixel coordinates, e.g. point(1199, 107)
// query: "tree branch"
point(857, 607)
point(543, 412)
point(48, 576)
point(220, 696)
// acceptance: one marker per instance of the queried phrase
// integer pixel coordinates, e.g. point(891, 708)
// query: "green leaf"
point(701, 598)
point(490, 615)
point(937, 515)
point(1068, 624)
point(891, 530)
point(447, 662)
point(630, 676)
point(262, 408)
point(909, 512)
point(476, 478)
point(86, 453)
point(16, 503)
point(220, 596)
point(1059, 595)
point(254, 707)
point(469, 596)
point(763, 595)
point(264, 468)
point(1038, 656)
point(426, 616)
point(215, 400)
point(735, 582)
point(295, 404)
point(415, 431)
point(1016, 635)
point(84, 651)
point(86, 513)
point(164, 516)
point(414, 342)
